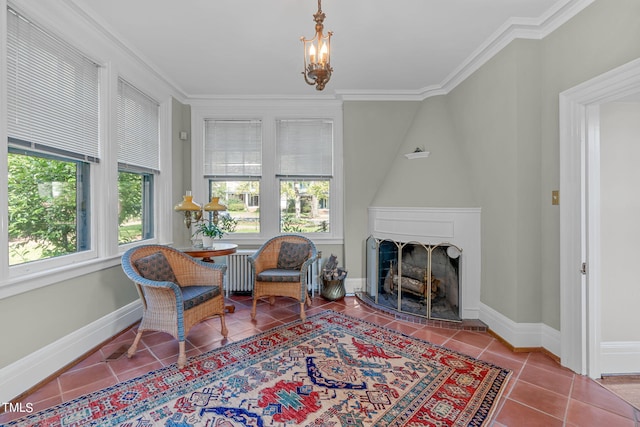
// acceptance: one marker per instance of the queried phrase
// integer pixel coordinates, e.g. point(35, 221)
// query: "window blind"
point(233, 148)
point(304, 148)
point(53, 92)
point(137, 129)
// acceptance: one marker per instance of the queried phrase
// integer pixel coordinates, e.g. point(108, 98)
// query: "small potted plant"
point(333, 280)
point(211, 231)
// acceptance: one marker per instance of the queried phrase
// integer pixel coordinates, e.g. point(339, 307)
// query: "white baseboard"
point(620, 357)
point(521, 335)
point(23, 374)
point(354, 285)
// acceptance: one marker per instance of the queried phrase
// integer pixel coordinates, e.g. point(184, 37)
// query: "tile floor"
point(539, 393)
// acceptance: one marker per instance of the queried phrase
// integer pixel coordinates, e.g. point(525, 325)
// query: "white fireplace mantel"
point(459, 226)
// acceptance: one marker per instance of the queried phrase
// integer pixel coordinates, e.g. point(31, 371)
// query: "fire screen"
point(415, 278)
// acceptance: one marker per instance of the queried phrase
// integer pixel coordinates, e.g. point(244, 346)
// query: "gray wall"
point(602, 37)
point(181, 163)
point(503, 121)
point(34, 319)
point(373, 134)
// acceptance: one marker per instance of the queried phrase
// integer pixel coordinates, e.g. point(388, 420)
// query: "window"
point(304, 151)
point(48, 198)
point(135, 206)
point(276, 165)
point(138, 162)
point(233, 168)
point(53, 130)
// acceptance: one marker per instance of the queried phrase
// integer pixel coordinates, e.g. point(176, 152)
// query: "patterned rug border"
point(191, 378)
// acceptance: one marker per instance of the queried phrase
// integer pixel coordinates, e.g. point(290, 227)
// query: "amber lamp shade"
point(187, 205)
point(215, 206)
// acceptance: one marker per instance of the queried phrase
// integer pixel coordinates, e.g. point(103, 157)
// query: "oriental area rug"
point(331, 370)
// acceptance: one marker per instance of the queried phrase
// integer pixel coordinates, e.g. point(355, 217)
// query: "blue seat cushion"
point(279, 275)
point(194, 295)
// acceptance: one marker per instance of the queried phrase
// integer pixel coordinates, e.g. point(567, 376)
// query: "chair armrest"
point(159, 293)
point(307, 263)
point(261, 263)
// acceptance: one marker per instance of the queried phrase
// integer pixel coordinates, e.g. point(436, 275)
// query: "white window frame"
point(48, 264)
point(140, 165)
point(268, 112)
point(105, 252)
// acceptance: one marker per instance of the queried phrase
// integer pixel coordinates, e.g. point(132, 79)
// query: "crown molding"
point(391, 95)
point(514, 28)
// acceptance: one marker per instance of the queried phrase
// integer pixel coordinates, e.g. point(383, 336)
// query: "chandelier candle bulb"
point(317, 59)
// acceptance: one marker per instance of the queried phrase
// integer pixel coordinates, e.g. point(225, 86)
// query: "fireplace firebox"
point(415, 278)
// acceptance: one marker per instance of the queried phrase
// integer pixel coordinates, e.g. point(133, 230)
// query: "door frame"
point(580, 213)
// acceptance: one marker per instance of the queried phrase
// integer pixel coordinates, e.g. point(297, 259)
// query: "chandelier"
point(317, 54)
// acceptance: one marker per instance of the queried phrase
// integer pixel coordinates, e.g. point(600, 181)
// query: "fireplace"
point(416, 278)
point(424, 261)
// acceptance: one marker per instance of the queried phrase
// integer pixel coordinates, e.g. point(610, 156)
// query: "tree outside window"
point(242, 199)
point(46, 209)
point(304, 206)
point(135, 212)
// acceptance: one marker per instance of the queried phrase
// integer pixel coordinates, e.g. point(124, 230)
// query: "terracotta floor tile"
point(139, 371)
point(204, 337)
point(161, 351)
point(143, 357)
point(47, 391)
point(514, 414)
point(464, 348)
point(213, 345)
point(5, 417)
point(539, 393)
point(430, 335)
point(590, 392)
point(539, 398)
point(378, 319)
point(357, 312)
point(152, 338)
point(88, 388)
point(546, 379)
point(581, 414)
point(541, 360)
point(125, 338)
point(504, 362)
point(82, 377)
point(497, 347)
point(477, 339)
point(404, 327)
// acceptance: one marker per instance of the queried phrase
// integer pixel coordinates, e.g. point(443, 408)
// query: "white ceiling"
point(252, 48)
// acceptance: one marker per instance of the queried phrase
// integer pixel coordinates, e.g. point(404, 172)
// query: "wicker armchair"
point(176, 290)
point(280, 269)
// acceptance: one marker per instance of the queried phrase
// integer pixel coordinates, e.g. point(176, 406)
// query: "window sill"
point(259, 240)
point(29, 282)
